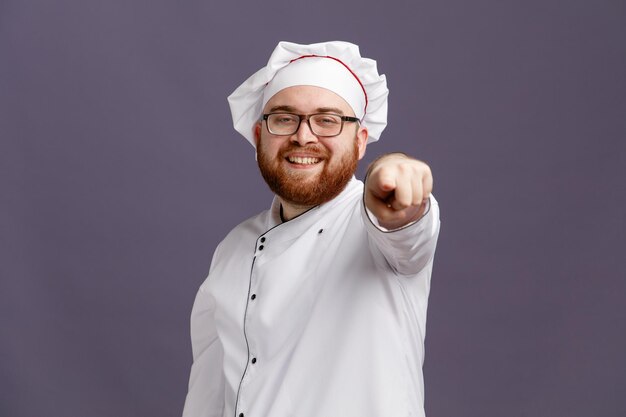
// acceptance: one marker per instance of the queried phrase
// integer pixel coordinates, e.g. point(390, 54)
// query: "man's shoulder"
point(250, 228)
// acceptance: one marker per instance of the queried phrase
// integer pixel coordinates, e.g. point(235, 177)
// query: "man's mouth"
point(307, 160)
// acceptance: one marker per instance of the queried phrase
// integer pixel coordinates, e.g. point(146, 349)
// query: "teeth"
point(303, 161)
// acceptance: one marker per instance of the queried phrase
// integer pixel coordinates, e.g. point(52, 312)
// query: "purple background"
point(120, 172)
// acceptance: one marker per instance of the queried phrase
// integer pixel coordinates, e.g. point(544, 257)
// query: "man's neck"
point(289, 211)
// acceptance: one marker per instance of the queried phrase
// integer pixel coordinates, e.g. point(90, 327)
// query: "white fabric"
point(320, 72)
point(332, 309)
point(246, 102)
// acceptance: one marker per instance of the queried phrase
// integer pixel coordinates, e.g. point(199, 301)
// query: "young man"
point(317, 306)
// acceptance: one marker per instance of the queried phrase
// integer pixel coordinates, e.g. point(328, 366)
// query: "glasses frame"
point(307, 117)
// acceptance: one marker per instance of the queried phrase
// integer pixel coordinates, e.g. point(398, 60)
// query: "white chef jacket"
point(320, 316)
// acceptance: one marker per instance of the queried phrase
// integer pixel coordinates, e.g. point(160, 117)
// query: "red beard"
point(300, 189)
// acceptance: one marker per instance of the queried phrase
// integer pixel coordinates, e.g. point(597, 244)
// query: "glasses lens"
point(283, 123)
point(325, 124)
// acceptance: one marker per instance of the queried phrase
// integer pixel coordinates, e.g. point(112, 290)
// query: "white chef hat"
point(336, 66)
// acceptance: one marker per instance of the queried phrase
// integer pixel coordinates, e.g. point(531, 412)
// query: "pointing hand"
point(396, 189)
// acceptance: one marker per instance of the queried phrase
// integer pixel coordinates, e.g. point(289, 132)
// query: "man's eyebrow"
point(282, 108)
point(329, 110)
point(292, 109)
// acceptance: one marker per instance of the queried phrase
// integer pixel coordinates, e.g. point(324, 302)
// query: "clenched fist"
point(396, 189)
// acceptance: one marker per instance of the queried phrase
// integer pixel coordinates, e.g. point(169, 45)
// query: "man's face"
point(303, 169)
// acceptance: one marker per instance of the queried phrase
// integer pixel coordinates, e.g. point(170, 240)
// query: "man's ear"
point(361, 140)
point(257, 133)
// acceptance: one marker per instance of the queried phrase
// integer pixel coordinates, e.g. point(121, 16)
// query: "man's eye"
point(327, 120)
point(285, 120)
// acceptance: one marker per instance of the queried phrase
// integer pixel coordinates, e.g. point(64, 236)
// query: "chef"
point(317, 306)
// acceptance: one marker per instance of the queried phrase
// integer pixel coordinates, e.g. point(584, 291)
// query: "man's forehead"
point(309, 99)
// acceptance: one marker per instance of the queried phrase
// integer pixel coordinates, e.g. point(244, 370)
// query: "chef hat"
point(336, 66)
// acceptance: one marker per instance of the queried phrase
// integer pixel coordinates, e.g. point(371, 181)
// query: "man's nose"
point(304, 134)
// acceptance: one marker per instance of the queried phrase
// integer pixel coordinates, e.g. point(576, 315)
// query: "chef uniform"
point(323, 315)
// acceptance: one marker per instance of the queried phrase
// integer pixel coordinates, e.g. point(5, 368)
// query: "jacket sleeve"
point(409, 249)
point(205, 397)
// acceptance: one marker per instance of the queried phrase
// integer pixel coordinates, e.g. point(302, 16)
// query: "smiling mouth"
point(303, 160)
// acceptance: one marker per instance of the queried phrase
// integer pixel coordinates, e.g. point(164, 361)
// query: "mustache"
point(313, 149)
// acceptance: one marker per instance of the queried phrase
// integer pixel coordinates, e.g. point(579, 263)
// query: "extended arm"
point(401, 215)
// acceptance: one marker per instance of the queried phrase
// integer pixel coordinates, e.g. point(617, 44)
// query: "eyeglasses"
point(321, 124)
